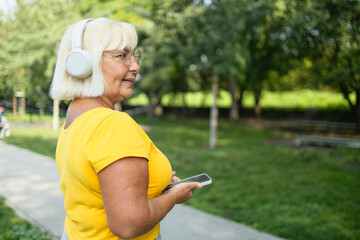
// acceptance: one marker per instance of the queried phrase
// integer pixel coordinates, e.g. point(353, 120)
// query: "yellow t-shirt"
point(94, 140)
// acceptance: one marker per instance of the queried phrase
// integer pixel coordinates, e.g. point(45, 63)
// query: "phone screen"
point(198, 178)
point(204, 179)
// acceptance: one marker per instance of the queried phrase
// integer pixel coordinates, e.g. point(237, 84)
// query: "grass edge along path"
point(294, 193)
point(13, 227)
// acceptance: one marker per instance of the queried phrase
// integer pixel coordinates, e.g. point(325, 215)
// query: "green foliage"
point(264, 22)
point(121, 10)
point(328, 33)
point(29, 44)
point(194, 41)
point(264, 45)
point(14, 228)
point(168, 47)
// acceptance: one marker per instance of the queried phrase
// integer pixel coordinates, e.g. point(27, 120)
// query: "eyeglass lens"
point(138, 56)
point(127, 55)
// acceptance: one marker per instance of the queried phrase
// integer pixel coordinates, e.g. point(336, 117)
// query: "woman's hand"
point(174, 178)
point(183, 191)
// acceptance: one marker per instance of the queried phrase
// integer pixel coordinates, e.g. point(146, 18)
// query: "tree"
point(329, 34)
point(169, 49)
point(264, 45)
point(222, 40)
point(243, 43)
point(29, 41)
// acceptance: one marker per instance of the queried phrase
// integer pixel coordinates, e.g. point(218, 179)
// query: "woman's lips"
point(130, 81)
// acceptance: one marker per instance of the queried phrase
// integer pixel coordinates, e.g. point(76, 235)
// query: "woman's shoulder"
point(93, 117)
point(102, 113)
point(114, 122)
point(110, 116)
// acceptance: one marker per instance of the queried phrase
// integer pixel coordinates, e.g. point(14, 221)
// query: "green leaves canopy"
point(29, 41)
point(186, 43)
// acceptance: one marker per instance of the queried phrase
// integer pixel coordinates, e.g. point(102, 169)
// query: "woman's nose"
point(134, 66)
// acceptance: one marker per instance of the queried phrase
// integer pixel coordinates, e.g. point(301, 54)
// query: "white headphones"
point(78, 62)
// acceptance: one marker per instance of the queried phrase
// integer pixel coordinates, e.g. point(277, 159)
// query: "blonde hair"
point(100, 35)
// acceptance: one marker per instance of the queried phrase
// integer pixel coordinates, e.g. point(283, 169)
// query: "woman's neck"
point(105, 102)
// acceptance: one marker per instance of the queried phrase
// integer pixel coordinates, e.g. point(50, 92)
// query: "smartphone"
point(203, 178)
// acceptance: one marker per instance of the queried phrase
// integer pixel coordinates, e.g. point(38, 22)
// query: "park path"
point(29, 182)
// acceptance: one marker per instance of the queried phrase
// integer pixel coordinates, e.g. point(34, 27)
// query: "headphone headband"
point(78, 32)
point(78, 62)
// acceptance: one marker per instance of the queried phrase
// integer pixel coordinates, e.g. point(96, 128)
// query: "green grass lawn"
point(295, 193)
point(14, 228)
point(300, 99)
point(291, 192)
point(37, 139)
point(29, 117)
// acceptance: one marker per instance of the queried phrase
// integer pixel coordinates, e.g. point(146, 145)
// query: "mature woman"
point(111, 173)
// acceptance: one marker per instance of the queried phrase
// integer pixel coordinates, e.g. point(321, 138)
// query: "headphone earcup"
point(78, 63)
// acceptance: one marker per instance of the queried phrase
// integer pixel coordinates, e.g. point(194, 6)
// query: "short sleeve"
point(117, 136)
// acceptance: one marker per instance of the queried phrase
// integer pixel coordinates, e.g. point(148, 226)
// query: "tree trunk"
point(41, 110)
point(357, 111)
point(240, 100)
point(355, 107)
point(158, 108)
point(23, 105)
point(214, 113)
point(234, 111)
point(257, 107)
point(184, 105)
point(14, 106)
point(150, 113)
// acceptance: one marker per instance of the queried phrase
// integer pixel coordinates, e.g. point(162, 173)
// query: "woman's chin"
point(127, 94)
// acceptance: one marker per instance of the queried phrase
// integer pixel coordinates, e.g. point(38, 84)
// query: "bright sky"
point(6, 5)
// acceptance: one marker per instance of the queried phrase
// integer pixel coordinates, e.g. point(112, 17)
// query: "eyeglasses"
point(126, 55)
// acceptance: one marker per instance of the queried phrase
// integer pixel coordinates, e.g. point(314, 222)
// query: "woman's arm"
point(124, 186)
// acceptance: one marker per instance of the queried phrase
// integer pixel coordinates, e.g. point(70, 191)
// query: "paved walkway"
point(29, 182)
